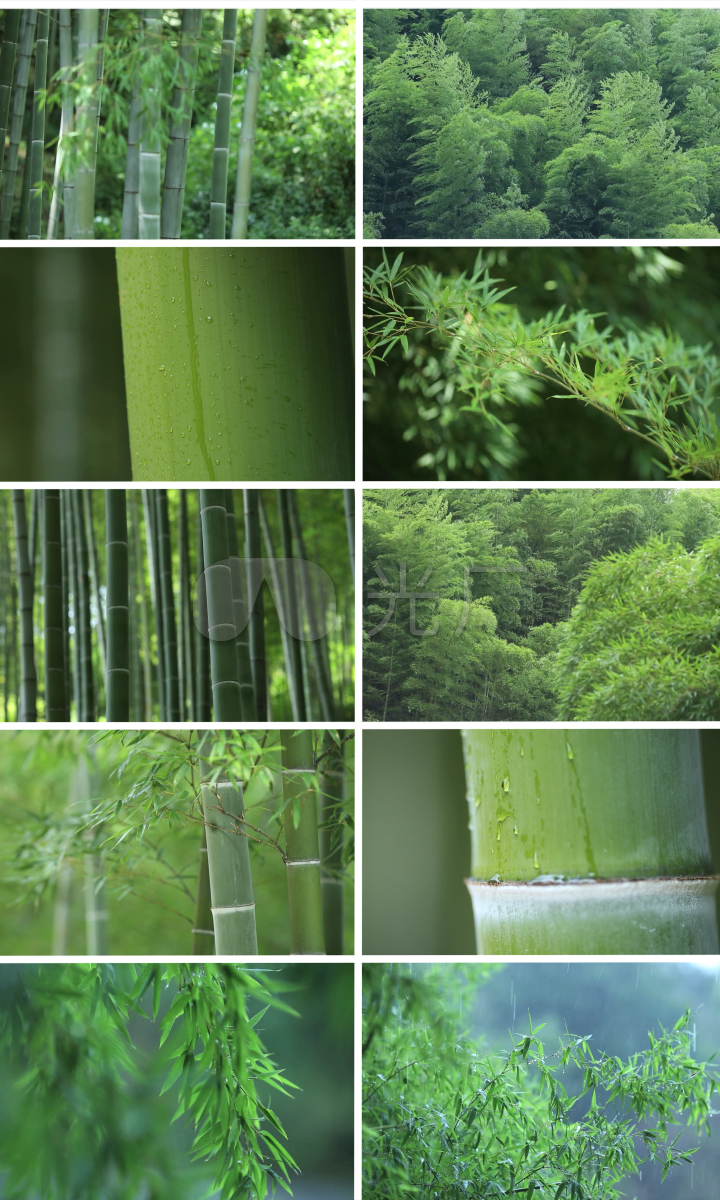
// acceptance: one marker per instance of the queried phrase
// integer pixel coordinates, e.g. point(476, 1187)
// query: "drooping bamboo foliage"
point(302, 852)
point(7, 193)
point(118, 647)
point(181, 119)
point(249, 124)
point(221, 150)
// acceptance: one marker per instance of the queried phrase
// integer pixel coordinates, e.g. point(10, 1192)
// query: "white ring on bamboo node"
point(302, 862)
point(232, 908)
point(296, 770)
point(209, 932)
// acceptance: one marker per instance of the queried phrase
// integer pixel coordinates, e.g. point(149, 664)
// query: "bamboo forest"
point(517, 604)
point(229, 843)
point(549, 364)
point(542, 123)
point(596, 1081)
point(169, 123)
point(188, 1080)
point(175, 605)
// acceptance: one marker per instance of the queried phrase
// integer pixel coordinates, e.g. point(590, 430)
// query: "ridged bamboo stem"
point(95, 578)
point(240, 605)
point(150, 140)
point(233, 905)
point(11, 30)
point(37, 144)
point(187, 655)
point(86, 124)
point(249, 124)
point(65, 534)
point(253, 566)
point(279, 578)
point(227, 704)
point(149, 510)
point(181, 119)
point(297, 647)
point(147, 704)
point(86, 700)
point(267, 387)
point(203, 933)
point(28, 676)
point(349, 505)
point(7, 195)
point(118, 608)
point(315, 619)
point(168, 606)
point(72, 662)
point(202, 642)
point(61, 185)
point(131, 191)
point(54, 617)
point(302, 851)
point(331, 844)
point(221, 150)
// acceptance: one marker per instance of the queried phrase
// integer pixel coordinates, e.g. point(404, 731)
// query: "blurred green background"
point(416, 842)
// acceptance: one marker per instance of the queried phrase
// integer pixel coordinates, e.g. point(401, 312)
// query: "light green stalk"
point(186, 656)
point(302, 852)
point(37, 144)
point(296, 646)
point(8, 53)
point(96, 913)
point(129, 222)
point(589, 841)
point(54, 617)
point(118, 609)
point(168, 606)
point(95, 576)
point(221, 151)
point(315, 618)
point(87, 118)
point(242, 635)
point(28, 679)
point(233, 906)
point(62, 178)
point(150, 140)
point(86, 699)
point(180, 122)
point(202, 642)
point(349, 502)
point(7, 195)
point(144, 617)
point(203, 934)
point(249, 124)
point(332, 781)
point(150, 514)
point(279, 579)
point(253, 560)
point(237, 363)
point(72, 676)
point(61, 910)
point(227, 704)
point(65, 534)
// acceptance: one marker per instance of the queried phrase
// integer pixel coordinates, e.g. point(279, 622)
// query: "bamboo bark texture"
point(180, 122)
point(332, 783)
point(221, 150)
point(28, 676)
point(230, 371)
point(302, 851)
point(150, 138)
point(8, 54)
point(55, 709)
point(118, 610)
point(7, 195)
point(253, 566)
point(240, 611)
point(203, 933)
point(227, 703)
point(249, 125)
point(63, 184)
point(589, 842)
point(37, 144)
point(233, 906)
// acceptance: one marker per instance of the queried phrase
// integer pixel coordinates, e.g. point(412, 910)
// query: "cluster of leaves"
point(64, 1034)
point(532, 124)
point(443, 1120)
point(477, 609)
point(645, 380)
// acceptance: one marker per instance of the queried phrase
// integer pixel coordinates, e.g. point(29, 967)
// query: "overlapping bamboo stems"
point(203, 933)
point(150, 138)
point(117, 687)
point(315, 619)
point(249, 124)
point(28, 674)
point(167, 598)
point(154, 570)
point(293, 670)
point(7, 194)
point(95, 578)
point(63, 181)
point(83, 625)
point(253, 566)
point(181, 110)
point(37, 143)
point(302, 851)
point(221, 150)
point(187, 645)
point(53, 610)
point(240, 612)
point(227, 704)
point(11, 30)
point(86, 122)
point(332, 780)
point(203, 706)
point(146, 707)
point(297, 647)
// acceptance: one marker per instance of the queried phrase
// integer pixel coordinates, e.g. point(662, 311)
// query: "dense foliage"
point(444, 1119)
point(577, 123)
point(525, 605)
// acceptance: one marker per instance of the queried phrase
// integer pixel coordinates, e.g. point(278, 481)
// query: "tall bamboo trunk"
point(180, 122)
point(129, 222)
point(240, 611)
point(66, 121)
point(349, 505)
point(202, 641)
point(150, 513)
point(233, 905)
point(253, 567)
point(54, 617)
point(187, 655)
point(28, 677)
point(86, 699)
point(293, 609)
point(249, 125)
point(87, 118)
point(146, 706)
point(37, 144)
point(314, 616)
point(227, 704)
point(95, 578)
point(221, 150)
point(96, 913)
point(7, 195)
point(150, 140)
point(11, 30)
point(72, 668)
point(168, 606)
point(203, 933)
point(118, 608)
point(589, 842)
point(65, 534)
point(238, 376)
point(302, 851)
point(332, 783)
point(278, 574)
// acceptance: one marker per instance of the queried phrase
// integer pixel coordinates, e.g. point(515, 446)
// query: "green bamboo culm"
point(221, 150)
point(267, 388)
point(249, 124)
point(278, 575)
point(28, 674)
point(131, 190)
point(54, 616)
point(7, 194)
point(168, 606)
point(186, 656)
point(37, 144)
point(349, 504)
point(242, 635)
point(72, 659)
point(8, 53)
point(296, 646)
point(118, 609)
point(86, 123)
point(150, 513)
point(253, 564)
point(315, 618)
point(589, 841)
point(203, 933)
point(180, 121)
point(146, 705)
point(66, 587)
point(86, 698)
point(331, 831)
point(150, 139)
point(302, 851)
point(63, 193)
point(227, 703)
point(202, 642)
point(95, 571)
point(233, 905)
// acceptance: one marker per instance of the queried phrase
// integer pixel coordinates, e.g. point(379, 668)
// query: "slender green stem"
point(233, 905)
point(240, 604)
point(249, 124)
point(150, 140)
point(302, 852)
point(37, 145)
point(146, 705)
point(331, 832)
point(227, 703)
point(11, 30)
point(87, 683)
point(74, 687)
point(202, 642)
point(180, 122)
point(28, 678)
point(7, 195)
point(154, 568)
point(315, 618)
point(96, 913)
point(95, 576)
point(64, 504)
point(62, 180)
point(118, 658)
point(129, 223)
point(349, 503)
point(203, 934)
point(186, 656)
point(253, 566)
point(221, 151)
point(87, 118)
point(297, 646)
point(278, 574)
point(54, 617)
point(168, 606)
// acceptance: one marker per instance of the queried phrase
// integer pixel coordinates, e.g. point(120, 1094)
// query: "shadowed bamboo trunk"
point(302, 852)
point(315, 618)
point(227, 705)
point(203, 934)
point(54, 617)
point(332, 781)
point(168, 606)
point(202, 642)
point(150, 139)
point(589, 842)
point(7, 195)
point(129, 222)
point(249, 124)
point(61, 176)
point(240, 603)
point(87, 118)
point(279, 578)
point(149, 511)
point(297, 647)
point(118, 660)
point(65, 535)
point(37, 145)
point(349, 504)
point(253, 557)
point(28, 676)
point(180, 122)
point(11, 30)
point(147, 705)
point(221, 151)
point(187, 656)
point(95, 575)
point(86, 699)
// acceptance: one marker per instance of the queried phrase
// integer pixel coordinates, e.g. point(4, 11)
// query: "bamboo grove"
point(177, 606)
point(77, 84)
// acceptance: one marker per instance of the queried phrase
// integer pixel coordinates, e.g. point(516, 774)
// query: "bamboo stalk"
point(87, 119)
point(249, 124)
point(267, 387)
point(66, 122)
point(150, 140)
point(131, 191)
point(95, 576)
point(278, 575)
point(221, 150)
point(187, 657)
point(167, 600)
point(72, 676)
point(118, 609)
point(296, 645)
point(65, 549)
point(28, 680)
point(96, 913)
point(86, 699)
point(149, 510)
point(233, 905)
point(314, 618)
point(302, 852)
point(349, 504)
point(37, 145)
point(589, 841)
point(227, 704)
point(253, 567)
point(202, 641)
point(11, 31)
point(146, 706)
point(331, 831)
point(203, 934)
point(61, 910)
point(7, 194)
point(137, 699)
point(180, 122)
point(54, 620)
point(240, 614)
